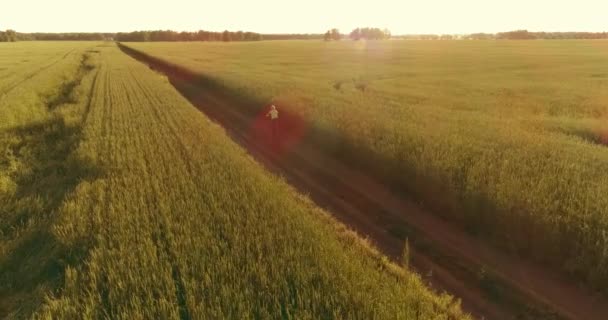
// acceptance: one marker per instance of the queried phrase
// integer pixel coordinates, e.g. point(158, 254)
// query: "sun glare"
point(315, 16)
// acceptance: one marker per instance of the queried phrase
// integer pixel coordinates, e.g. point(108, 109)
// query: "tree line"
point(8, 36)
point(157, 35)
point(370, 34)
point(293, 36)
point(510, 35)
point(359, 34)
point(12, 36)
point(333, 34)
point(201, 35)
point(526, 35)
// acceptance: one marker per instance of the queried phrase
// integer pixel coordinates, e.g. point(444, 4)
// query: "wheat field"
point(118, 199)
point(507, 138)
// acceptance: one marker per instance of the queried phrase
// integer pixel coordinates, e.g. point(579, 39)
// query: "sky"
point(304, 16)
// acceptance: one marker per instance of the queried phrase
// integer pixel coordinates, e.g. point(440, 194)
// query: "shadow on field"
point(47, 174)
point(40, 162)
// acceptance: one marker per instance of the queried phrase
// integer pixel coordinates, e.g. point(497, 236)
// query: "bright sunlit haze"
point(315, 16)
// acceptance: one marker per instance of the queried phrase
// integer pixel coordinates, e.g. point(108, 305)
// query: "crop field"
point(507, 138)
point(120, 200)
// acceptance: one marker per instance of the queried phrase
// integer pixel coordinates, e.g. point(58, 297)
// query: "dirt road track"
point(491, 285)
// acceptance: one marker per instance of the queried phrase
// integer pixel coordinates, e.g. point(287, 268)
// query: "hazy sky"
point(304, 16)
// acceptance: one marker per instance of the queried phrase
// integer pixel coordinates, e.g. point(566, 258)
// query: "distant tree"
point(480, 36)
point(238, 36)
point(162, 35)
point(370, 34)
point(387, 33)
point(294, 36)
point(10, 35)
point(335, 34)
point(201, 35)
point(226, 36)
point(516, 35)
point(252, 36)
point(327, 36)
point(185, 36)
point(355, 34)
point(512, 35)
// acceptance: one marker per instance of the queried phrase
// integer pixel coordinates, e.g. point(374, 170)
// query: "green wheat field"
point(120, 200)
point(508, 138)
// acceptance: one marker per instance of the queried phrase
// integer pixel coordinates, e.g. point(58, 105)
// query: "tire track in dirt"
point(491, 284)
point(35, 265)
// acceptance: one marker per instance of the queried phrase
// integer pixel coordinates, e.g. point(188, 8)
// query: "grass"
point(121, 200)
point(36, 170)
point(507, 138)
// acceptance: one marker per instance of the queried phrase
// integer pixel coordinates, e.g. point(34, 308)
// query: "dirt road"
point(492, 285)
